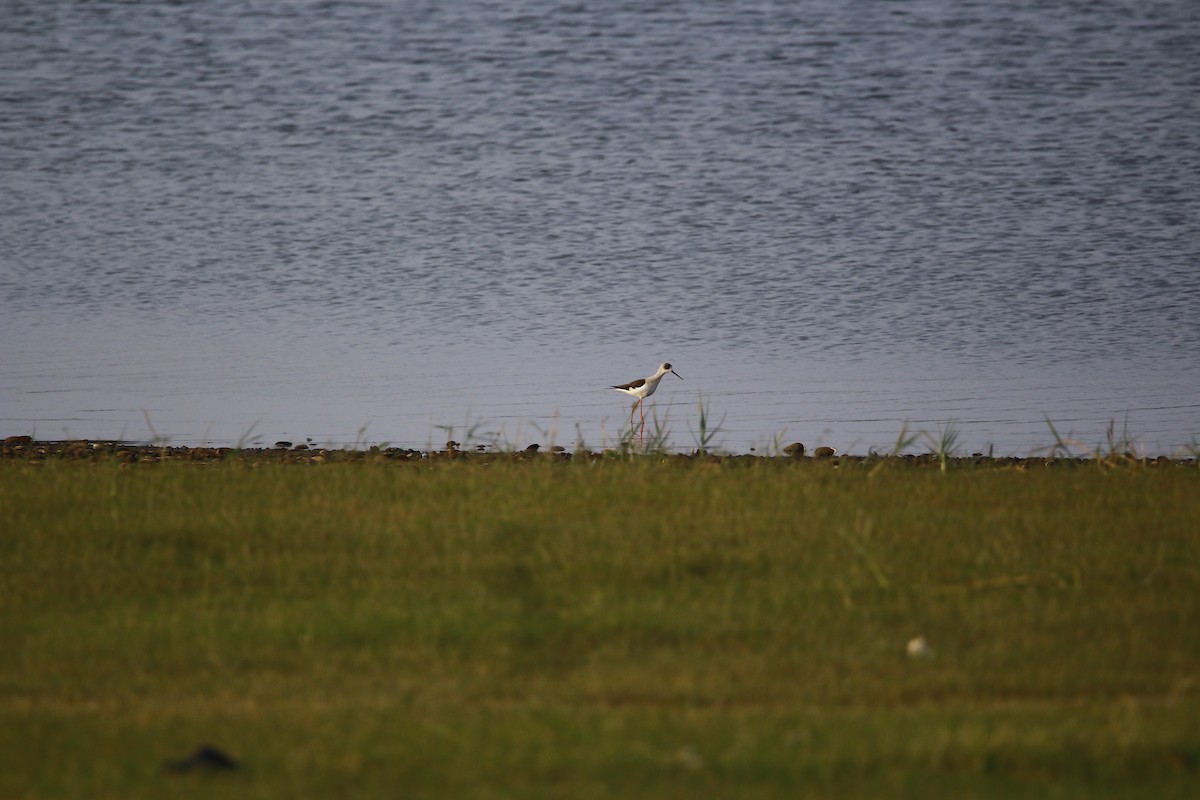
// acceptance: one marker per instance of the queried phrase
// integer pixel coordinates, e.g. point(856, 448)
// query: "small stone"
point(919, 648)
point(795, 450)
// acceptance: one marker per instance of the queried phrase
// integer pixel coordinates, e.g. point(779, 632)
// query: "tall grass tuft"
point(706, 433)
point(944, 444)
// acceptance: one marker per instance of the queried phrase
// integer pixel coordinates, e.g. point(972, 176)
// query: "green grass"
point(604, 629)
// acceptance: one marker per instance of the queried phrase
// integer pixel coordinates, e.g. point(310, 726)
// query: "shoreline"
point(28, 449)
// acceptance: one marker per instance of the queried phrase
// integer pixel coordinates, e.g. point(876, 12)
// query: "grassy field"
point(602, 629)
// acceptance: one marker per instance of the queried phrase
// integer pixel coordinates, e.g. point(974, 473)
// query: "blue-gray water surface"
point(366, 222)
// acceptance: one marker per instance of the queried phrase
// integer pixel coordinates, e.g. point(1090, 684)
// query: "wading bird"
point(643, 388)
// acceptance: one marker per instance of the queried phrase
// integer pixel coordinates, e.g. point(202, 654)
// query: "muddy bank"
point(25, 448)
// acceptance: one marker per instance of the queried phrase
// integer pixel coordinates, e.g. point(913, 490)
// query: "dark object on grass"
point(206, 759)
point(795, 450)
point(824, 452)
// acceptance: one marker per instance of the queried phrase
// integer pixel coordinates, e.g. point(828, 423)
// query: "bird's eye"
point(666, 366)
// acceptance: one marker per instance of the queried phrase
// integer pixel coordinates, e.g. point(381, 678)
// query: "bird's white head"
point(664, 368)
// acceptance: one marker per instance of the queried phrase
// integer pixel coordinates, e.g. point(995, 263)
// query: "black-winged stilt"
point(643, 388)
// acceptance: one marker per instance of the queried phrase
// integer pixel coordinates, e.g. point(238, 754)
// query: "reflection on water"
point(240, 221)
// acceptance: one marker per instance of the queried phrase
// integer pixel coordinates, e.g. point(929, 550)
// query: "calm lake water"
point(368, 222)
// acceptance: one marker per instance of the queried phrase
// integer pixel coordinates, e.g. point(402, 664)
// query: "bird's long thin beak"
point(676, 374)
